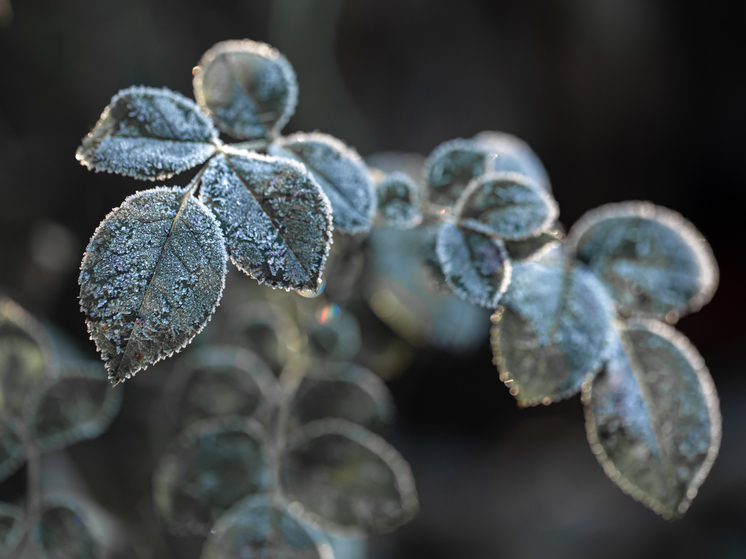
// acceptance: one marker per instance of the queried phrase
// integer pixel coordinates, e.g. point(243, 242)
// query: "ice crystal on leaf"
point(399, 200)
point(450, 167)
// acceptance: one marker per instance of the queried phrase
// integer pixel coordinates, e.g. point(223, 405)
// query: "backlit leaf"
point(148, 133)
point(275, 219)
point(653, 261)
point(513, 155)
point(78, 405)
point(552, 331)
point(507, 205)
point(248, 88)
point(475, 265)
point(450, 167)
point(151, 278)
point(399, 201)
point(347, 480)
point(253, 529)
point(341, 174)
point(210, 466)
point(653, 417)
point(12, 528)
point(61, 532)
point(533, 248)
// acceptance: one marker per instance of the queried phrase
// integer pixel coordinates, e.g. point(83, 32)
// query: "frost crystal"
point(399, 200)
point(450, 167)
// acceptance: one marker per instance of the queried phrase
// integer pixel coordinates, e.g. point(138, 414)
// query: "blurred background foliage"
point(622, 99)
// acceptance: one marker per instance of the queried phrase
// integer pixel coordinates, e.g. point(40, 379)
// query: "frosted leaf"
point(346, 391)
point(653, 417)
point(533, 248)
point(513, 155)
point(432, 266)
point(652, 260)
point(255, 529)
point(450, 167)
point(61, 532)
point(552, 330)
point(248, 88)
point(210, 466)
point(217, 381)
point(336, 336)
point(151, 277)
point(76, 406)
point(341, 174)
point(12, 455)
point(150, 134)
point(508, 205)
point(346, 480)
point(399, 201)
point(12, 528)
point(275, 219)
point(25, 357)
point(474, 265)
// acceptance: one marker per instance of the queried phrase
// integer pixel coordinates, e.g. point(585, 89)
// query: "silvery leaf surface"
point(533, 248)
point(12, 528)
point(340, 172)
point(275, 219)
point(507, 205)
point(151, 277)
point(150, 134)
point(511, 154)
point(399, 200)
point(12, 455)
point(346, 480)
point(254, 527)
point(450, 167)
point(77, 405)
point(475, 266)
point(61, 532)
point(209, 467)
point(652, 260)
point(248, 88)
point(552, 330)
point(653, 417)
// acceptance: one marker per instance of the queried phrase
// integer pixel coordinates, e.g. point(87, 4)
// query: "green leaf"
point(255, 528)
point(513, 155)
point(399, 200)
point(340, 172)
point(151, 277)
point(346, 480)
point(653, 417)
point(551, 331)
point(248, 88)
point(12, 455)
point(508, 205)
point(652, 260)
point(210, 466)
point(345, 391)
point(76, 406)
point(61, 532)
point(533, 248)
point(474, 265)
point(12, 528)
point(275, 219)
point(450, 167)
point(150, 134)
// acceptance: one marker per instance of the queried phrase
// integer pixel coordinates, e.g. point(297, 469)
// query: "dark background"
point(622, 99)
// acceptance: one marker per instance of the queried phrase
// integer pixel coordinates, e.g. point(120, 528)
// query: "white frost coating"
point(340, 172)
point(450, 167)
point(399, 200)
point(513, 155)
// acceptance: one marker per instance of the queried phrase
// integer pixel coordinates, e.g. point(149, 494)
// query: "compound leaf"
point(508, 205)
point(12, 456)
point(450, 167)
point(340, 172)
point(254, 527)
point(533, 248)
point(12, 528)
point(399, 200)
point(551, 332)
point(248, 88)
point(61, 532)
point(653, 417)
point(474, 265)
point(652, 260)
point(513, 155)
point(76, 406)
point(275, 219)
point(210, 466)
point(148, 133)
point(347, 480)
point(151, 277)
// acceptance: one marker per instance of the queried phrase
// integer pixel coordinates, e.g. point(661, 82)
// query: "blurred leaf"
point(335, 335)
point(341, 174)
point(275, 220)
point(347, 480)
point(151, 277)
point(210, 466)
point(653, 261)
point(346, 391)
point(12, 528)
point(450, 167)
point(148, 133)
point(399, 201)
point(254, 528)
point(533, 248)
point(475, 265)
point(248, 88)
point(653, 417)
point(508, 205)
point(513, 155)
point(61, 532)
point(552, 330)
point(12, 455)
point(77, 406)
